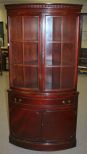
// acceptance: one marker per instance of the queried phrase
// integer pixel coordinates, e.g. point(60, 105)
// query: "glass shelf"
point(27, 65)
point(50, 63)
point(30, 63)
point(24, 41)
point(60, 42)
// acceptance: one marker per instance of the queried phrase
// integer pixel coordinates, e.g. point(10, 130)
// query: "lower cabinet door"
point(25, 123)
point(59, 125)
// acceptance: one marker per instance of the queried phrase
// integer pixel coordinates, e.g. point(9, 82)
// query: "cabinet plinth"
point(43, 55)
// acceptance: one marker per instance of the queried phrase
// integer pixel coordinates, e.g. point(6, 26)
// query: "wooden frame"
point(43, 95)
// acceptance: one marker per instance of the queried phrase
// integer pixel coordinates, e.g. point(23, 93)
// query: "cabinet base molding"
point(43, 146)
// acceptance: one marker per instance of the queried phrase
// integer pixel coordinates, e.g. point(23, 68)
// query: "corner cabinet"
point(43, 54)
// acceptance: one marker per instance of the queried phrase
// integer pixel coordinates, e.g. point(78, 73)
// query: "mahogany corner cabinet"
point(43, 55)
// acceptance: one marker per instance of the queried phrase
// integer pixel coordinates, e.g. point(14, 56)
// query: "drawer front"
point(63, 101)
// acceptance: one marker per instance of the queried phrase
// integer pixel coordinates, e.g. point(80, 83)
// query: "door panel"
point(52, 52)
point(60, 52)
point(25, 123)
point(25, 51)
point(60, 124)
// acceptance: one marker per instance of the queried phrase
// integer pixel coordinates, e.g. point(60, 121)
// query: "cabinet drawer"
point(17, 99)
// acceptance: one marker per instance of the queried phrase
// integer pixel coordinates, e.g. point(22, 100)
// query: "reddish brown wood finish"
point(43, 54)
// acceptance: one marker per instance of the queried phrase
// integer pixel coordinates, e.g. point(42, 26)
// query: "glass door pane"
point(69, 28)
point(15, 23)
point(68, 58)
point(68, 54)
point(53, 28)
point(60, 52)
point(52, 52)
point(24, 51)
point(17, 76)
point(31, 51)
point(31, 77)
point(52, 78)
point(67, 77)
point(16, 51)
point(30, 28)
point(68, 40)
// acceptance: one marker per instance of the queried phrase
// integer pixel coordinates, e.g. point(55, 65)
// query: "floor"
point(7, 148)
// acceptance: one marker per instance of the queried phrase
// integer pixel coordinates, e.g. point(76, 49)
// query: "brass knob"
point(15, 100)
point(69, 101)
point(20, 100)
point(63, 101)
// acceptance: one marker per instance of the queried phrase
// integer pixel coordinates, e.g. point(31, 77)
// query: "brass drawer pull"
point(64, 102)
point(69, 101)
point(15, 100)
point(20, 100)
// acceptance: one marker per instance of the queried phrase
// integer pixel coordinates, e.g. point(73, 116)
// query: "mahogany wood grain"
point(43, 56)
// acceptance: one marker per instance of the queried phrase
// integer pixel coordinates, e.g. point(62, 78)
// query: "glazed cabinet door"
point(60, 52)
point(59, 124)
point(24, 41)
point(25, 123)
point(43, 51)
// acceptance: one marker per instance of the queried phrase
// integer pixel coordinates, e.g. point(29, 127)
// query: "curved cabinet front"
point(43, 127)
point(43, 62)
